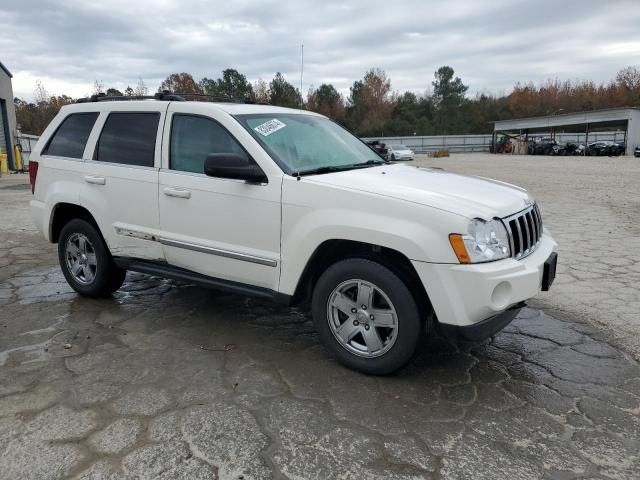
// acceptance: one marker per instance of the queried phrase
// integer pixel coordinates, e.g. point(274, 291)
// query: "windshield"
point(301, 143)
point(400, 147)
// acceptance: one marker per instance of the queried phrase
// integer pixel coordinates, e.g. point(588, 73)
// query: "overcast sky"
point(68, 44)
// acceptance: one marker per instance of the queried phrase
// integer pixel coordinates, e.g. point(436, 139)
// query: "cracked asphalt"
point(171, 381)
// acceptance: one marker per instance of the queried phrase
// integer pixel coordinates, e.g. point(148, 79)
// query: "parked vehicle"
point(616, 149)
point(580, 149)
point(636, 151)
point(286, 205)
point(380, 148)
point(545, 146)
point(600, 148)
point(503, 145)
point(572, 148)
point(400, 152)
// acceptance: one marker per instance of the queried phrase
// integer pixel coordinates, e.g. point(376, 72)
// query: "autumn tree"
point(33, 117)
point(180, 83)
point(370, 103)
point(628, 80)
point(327, 101)
point(283, 94)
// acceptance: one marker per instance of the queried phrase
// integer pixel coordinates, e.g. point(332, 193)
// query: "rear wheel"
point(86, 262)
point(366, 316)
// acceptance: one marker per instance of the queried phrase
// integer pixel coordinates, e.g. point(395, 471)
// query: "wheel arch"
point(62, 213)
point(332, 251)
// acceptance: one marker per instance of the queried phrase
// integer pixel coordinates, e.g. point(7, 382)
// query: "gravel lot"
point(167, 380)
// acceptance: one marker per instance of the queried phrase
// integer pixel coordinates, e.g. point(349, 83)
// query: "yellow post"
point(4, 167)
point(17, 155)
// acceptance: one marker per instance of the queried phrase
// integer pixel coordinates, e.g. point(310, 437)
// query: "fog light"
point(501, 296)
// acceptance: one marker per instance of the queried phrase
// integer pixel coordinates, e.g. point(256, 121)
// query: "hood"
point(468, 196)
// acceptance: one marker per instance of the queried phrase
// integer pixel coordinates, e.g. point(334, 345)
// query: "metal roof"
point(6, 70)
point(564, 119)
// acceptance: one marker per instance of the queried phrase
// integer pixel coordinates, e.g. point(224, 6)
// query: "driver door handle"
point(177, 192)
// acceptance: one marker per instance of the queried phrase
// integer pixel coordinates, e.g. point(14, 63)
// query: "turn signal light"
point(459, 248)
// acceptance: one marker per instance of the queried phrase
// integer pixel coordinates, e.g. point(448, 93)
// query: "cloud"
point(69, 44)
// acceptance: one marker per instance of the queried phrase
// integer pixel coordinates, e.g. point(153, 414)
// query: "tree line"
point(372, 108)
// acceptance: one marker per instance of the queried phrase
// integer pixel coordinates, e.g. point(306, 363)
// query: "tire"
point(81, 245)
point(367, 346)
point(393, 158)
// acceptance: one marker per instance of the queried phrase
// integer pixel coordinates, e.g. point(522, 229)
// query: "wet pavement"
point(171, 381)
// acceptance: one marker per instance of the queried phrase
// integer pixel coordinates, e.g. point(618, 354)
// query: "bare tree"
point(40, 94)
point(141, 88)
point(98, 87)
point(261, 91)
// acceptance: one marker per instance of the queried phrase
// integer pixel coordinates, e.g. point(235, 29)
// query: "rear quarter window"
point(129, 139)
point(71, 136)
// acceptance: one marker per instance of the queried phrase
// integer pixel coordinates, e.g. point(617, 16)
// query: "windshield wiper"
point(340, 168)
point(319, 170)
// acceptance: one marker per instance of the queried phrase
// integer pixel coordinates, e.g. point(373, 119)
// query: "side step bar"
point(165, 270)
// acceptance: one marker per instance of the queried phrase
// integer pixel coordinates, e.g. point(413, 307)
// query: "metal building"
point(7, 115)
point(581, 124)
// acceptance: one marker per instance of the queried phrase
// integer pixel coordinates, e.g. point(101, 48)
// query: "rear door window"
point(129, 139)
point(71, 136)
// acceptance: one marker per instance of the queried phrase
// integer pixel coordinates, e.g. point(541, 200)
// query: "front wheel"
point(393, 158)
point(86, 262)
point(366, 316)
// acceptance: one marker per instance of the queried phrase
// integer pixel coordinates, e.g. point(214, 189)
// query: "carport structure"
point(580, 124)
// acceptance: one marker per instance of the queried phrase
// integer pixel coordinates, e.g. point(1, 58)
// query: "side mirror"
point(233, 166)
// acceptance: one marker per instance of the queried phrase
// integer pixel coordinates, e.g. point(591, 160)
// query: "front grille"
point(525, 231)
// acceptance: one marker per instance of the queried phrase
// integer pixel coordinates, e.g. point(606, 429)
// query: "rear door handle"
point(95, 180)
point(177, 192)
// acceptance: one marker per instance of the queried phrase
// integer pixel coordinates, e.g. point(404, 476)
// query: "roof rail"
point(217, 98)
point(167, 96)
point(102, 97)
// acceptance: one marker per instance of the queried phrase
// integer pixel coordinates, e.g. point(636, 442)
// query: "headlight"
point(484, 242)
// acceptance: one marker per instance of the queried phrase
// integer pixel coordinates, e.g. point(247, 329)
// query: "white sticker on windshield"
point(267, 128)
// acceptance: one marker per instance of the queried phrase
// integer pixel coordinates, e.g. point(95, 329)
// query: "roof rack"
point(217, 98)
point(165, 95)
point(102, 97)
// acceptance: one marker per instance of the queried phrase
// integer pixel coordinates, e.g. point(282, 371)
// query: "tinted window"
point(128, 138)
point(71, 137)
point(193, 138)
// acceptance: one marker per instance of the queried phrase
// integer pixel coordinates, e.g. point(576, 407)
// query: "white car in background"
point(286, 205)
point(400, 152)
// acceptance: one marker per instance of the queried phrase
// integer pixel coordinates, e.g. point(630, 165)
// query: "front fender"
point(418, 232)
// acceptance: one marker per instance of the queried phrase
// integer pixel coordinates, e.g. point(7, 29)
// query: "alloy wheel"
point(362, 318)
point(80, 257)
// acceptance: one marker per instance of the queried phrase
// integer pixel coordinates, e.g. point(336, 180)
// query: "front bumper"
point(464, 295)
point(485, 328)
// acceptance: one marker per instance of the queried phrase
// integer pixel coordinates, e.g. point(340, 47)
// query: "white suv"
point(287, 205)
